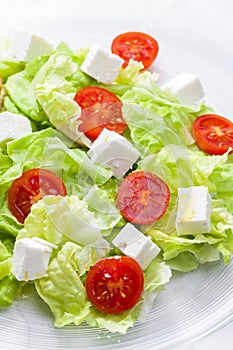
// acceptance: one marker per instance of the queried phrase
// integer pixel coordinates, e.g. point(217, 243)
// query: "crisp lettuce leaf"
point(10, 106)
point(32, 67)
point(9, 66)
point(55, 217)
point(52, 88)
point(179, 166)
point(156, 275)
point(221, 177)
point(159, 127)
point(106, 214)
point(21, 93)
point(117, 323)
point(45, 149)
point(52, 76)
point(8, 224)
point(63, 112)
point(9, 288)
point(182, 167)
point(147, 102)
point(132, 76)
point(143, 123)
point(62, 288)
point(5, 261)
point(64, 292)
point(5, 162)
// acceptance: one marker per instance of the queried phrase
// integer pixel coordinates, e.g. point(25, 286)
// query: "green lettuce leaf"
point(55, 217)
point(62, 288)
point(5, 261)
point(9, 67)
point(183, 167)
point(21, 93)
point(117, 323)
point(10, 106)
point(52, 77)
point(9, 288)
point(54, 87)
point(5, 162)
point(46, 149)
point(156, 276)
point(221, 177)
point(144, 99)
point(63, 112)
point(104, 211)
point(143, 123)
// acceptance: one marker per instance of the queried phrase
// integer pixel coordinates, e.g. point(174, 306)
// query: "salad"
point(109, 182)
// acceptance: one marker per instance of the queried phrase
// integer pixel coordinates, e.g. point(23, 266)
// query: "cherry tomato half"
point(213, 133)
point(115, 284)
point(30, 187)
point(143, 197)
point(136, 45)
point(100, 109)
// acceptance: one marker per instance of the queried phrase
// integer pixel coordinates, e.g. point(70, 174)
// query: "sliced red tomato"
point(143, 197)
point(213, 133)
point(115, 284)
point(136, 45)
point(100, 109)
point(31, 186)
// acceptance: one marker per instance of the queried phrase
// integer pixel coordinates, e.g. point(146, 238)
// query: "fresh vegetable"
point(68, 109)
point(30, 187)
point(115, 284)
point(138, 46)
point(213, 133)
point(143, 197)
point(100, 109)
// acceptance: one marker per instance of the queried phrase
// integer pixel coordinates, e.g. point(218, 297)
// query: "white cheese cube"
point(31, 258)
point(135, 244)
point(193, 213)
point(13, 126)
point(185, 87)
point(112, 150)
point(27, 45)
point(101, 65)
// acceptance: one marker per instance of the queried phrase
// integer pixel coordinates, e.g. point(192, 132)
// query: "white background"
point(202, 27)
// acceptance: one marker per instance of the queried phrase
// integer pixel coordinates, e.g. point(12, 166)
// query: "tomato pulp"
point(115, 284)
point(100, 109)
point(138, 46)
point(213, 133)
point(30, 187)
point(143, 197)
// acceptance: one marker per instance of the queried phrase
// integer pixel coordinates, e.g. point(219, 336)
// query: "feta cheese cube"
point(193, 213)
point(31, 258)
point(113, 150)
point(185, 87)
point(101, 65)
point(27, 45)
point(13, 126)
point(135, 244)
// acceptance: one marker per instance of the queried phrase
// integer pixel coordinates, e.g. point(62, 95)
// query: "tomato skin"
point(30, 187)
point(100, 109)
point(135, 45)
point(213, 133)
point(115, 284)
point(143, 197)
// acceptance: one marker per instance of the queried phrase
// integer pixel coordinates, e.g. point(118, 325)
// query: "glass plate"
point(193, 38)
